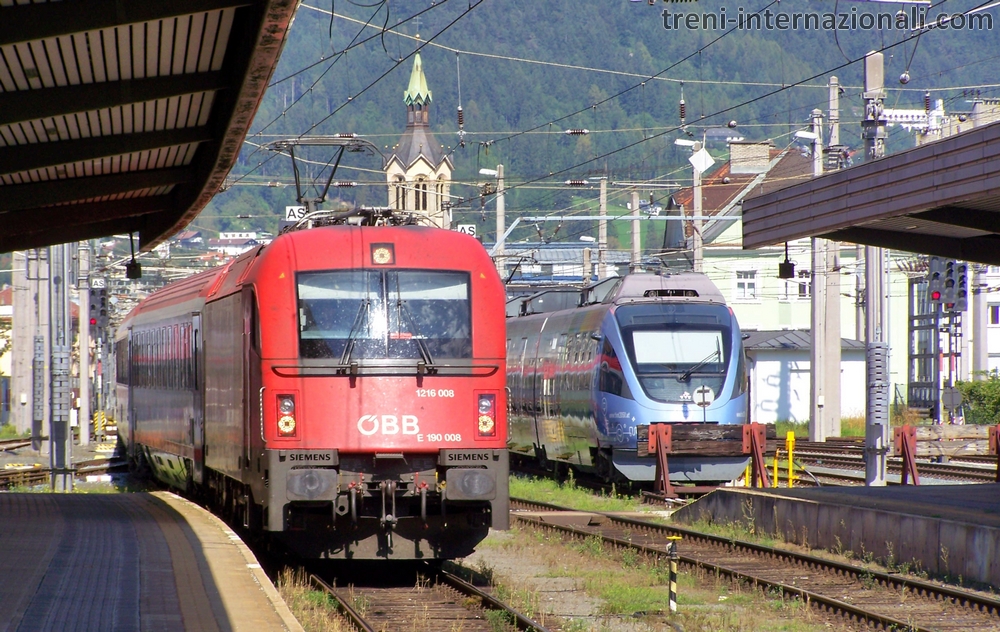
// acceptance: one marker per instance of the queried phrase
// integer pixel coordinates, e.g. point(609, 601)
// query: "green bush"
point(981, 398)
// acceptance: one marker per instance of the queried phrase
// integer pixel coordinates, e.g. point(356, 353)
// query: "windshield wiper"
point(686, 375)
point(362, 316)
point(403, 310)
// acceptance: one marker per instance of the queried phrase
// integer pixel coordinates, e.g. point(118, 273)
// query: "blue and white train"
point(584, 369)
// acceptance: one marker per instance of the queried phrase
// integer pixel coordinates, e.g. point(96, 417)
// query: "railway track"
point(949, 471)
point(28, 476)
point(875, 598)
point(442, 601)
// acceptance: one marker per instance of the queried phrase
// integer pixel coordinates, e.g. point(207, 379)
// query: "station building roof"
point(125, 116)
point(941, 198)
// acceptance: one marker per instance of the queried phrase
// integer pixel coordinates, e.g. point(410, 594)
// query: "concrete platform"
point(945, 529)
point(125, 562)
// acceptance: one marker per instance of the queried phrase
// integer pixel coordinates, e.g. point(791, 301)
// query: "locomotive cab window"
point(352, 315)
point(677, 349)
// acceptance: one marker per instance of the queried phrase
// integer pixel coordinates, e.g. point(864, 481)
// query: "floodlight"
point(487, 172)
point(806, 135)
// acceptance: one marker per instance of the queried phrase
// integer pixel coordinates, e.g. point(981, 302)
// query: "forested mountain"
point(525, 64)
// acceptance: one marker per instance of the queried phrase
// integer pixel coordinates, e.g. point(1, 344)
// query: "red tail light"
point(487, 416)
point(286, 416)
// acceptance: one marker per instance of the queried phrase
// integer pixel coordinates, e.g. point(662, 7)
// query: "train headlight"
point(470, 484)
point(487, 420)
point(286, 416)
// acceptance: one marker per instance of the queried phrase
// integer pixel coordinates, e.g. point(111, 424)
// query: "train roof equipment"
point(684, 286)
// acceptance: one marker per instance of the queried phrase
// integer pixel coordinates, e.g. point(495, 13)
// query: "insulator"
point(683, 110)
point(345, 183)
point(576, 183)
point(345, 135)
point(461, 116)
point(577, 132)
point(927, 101)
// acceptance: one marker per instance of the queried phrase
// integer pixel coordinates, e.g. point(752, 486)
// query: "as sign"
point(294, 213)
point(468, 229)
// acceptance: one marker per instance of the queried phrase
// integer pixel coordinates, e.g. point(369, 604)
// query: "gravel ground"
point(551, 581)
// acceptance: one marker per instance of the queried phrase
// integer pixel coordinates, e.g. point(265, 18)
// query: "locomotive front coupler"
point(388, 520)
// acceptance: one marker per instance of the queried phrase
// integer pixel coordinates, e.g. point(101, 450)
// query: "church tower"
point(419, 172)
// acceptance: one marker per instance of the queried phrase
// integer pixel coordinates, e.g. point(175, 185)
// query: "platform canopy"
point(121, 116)
point(941, 198)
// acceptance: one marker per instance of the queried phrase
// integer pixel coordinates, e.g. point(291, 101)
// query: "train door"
point(253, 432)
point(130, 401)
point(194, 374)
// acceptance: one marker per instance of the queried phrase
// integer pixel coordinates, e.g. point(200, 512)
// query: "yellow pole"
point(790, 446)
point(776, 451)
point(746, 479)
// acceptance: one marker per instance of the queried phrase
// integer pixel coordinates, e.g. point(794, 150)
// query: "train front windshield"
point(352, 315)
point(678, 350)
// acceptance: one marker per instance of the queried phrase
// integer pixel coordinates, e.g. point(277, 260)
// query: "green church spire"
point(417, 92)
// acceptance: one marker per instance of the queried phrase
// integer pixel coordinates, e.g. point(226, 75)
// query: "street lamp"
point(700, 161)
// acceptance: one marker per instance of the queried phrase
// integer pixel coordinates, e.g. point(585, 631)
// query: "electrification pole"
point(60, 434)
point(876, 346)
point(83, 289)
point(980, 352)
point(636, 249)
point(501, 224)
point(819, 426)
point(696, 226)
point(602, 232)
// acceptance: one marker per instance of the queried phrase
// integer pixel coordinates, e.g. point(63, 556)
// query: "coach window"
point(611, 378)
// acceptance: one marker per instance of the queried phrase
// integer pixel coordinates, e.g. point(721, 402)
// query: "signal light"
point(286, 416)
point(487, 416)
point(93, 321)
point(935, 295)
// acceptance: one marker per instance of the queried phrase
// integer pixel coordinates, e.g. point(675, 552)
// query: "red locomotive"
point(340, 389)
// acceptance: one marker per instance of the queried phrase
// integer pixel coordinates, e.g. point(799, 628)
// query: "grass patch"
point(8, 431)
point(315, 610)
point(569, 495)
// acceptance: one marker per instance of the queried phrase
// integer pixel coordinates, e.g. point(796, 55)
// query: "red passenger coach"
point(340, 389)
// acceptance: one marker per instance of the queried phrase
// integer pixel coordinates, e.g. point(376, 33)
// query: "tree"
point(981, 398)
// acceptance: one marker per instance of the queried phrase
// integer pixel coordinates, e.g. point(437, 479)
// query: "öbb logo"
point(388, 425)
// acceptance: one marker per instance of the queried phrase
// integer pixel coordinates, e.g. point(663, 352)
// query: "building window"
point(400, 194)
point(746, 285)
point(805, 283)
point(420, 190)
point(994, 311)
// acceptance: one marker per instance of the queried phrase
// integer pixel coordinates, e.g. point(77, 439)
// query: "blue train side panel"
point(639, 349)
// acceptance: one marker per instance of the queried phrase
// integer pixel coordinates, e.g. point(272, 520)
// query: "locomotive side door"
point(130, 403)
point(196, 377)
point(253, 432)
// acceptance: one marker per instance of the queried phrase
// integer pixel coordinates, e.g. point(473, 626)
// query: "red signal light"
point(935, 295)
point(93, 321)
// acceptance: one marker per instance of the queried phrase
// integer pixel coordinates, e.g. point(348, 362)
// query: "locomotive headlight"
point(286, 415)
point(487, 421)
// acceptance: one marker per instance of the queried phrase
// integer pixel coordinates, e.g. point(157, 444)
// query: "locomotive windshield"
point(677, 350)
point(384, 314)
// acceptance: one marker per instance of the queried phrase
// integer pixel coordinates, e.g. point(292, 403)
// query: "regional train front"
point(381, 392)
point(586, 372)
point(678, 354)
